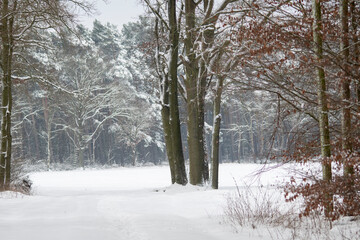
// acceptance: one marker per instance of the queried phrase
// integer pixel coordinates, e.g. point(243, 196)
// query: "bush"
point(264, 209)
point(336, 198)
point(253, 206)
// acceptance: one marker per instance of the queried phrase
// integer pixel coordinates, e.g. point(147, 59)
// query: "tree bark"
point(191, 81)
point(7, 53)
point(356, 51)
point(216, 135)
point(165, 115)
point(345, 86)
point(178, 155)
point(165, 105)
point(252, 138)
point(196, 81)
point(322, 100)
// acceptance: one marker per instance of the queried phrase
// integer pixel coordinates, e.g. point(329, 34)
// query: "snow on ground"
point(127, 204)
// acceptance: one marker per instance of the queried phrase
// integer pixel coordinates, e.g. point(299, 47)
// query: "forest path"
point(121, 204)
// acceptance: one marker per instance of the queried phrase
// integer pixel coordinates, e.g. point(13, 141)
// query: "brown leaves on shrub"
point(336, 198)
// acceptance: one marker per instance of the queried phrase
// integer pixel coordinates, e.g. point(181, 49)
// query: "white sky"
point(116, 12)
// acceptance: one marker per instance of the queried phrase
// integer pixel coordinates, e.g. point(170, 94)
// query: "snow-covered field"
point(128, 204)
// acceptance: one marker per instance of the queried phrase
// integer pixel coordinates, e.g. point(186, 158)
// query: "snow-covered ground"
point(128, 204)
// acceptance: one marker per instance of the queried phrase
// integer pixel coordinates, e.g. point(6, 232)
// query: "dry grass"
point(265, 208)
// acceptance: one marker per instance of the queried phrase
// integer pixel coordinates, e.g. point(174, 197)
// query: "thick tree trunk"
point(80, 148)
point(202, 140)
point(196, 71)
point(178, 155)
point(216, 135)
point(191, 84)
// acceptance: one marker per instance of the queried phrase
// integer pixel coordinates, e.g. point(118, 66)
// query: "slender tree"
point(345, 85)
point(322, 99)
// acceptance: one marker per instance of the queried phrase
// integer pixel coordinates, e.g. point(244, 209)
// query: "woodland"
point(190, 84)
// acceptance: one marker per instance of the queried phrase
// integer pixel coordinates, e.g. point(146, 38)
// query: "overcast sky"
point(116, 12)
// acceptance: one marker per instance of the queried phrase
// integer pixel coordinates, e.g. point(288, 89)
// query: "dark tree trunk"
point(6, 61)
point(165, 106)
point(191, 83)
point(216, 135)
point(178, 155)
point(165, 114)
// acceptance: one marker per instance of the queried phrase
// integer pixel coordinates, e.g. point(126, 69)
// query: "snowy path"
point(121, 204)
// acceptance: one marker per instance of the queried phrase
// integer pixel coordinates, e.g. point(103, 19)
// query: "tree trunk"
point(48, 130)
point(196, 71)
point(7, 53)
point(252, 140)
point(165, 115)
point(216, 135)
point(201, 107)
point(191, 84)
point(79, 148)
point(178, 155)
point(345, 86)
point(356, 53)
point(81, 158)
point(49, 152)
point(134, 151)
point(229, 123)
point(322, 100)
point(165, 105)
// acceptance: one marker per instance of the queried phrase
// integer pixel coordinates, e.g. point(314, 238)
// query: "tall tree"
point(356, 49)
point(7, 39)
point(198, 54)
point(167, 56)
point(345, 85)
point(322, 98)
